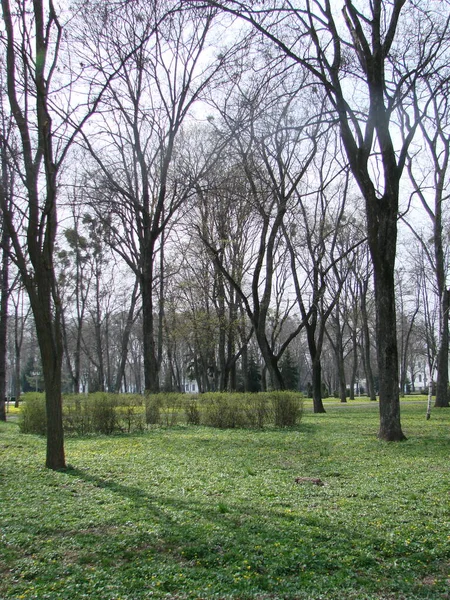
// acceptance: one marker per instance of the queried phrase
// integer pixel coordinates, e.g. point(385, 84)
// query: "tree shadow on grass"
point(224, 540)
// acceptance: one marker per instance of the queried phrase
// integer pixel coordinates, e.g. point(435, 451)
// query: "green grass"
point(195, 512)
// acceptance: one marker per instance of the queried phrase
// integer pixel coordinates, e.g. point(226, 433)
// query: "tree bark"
point(126, 338)
point(151, 374)
point(37, 269)
point(4, 286)
point(382, 226)
point(442, 393)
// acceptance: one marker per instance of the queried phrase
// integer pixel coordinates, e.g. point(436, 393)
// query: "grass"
point(192, 512)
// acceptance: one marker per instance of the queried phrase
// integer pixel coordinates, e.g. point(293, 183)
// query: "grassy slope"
point(201, 513)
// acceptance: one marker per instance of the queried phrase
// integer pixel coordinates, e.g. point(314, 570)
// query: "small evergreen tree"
point(289, 371)
point(253, 374)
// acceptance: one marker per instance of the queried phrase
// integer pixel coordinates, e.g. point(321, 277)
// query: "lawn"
point(193, 512)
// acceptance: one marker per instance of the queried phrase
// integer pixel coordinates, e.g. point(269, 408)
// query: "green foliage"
point(130, 413)
point(103, 413)
point(163, 409)
point(196, 512)
point(253, 374)
point(289, 371)
point(33, 416)
point(226, 410)
point(192, 412)
point(222, 410)
point(125, 413)
point(287, 408)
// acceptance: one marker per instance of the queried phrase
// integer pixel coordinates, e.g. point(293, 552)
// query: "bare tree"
point(319, 250)
point(6, 175)
point(30, 74)
point(428, 168)
point(275, 141)
point(356, 62)
point(137, 146)
point(47, 115)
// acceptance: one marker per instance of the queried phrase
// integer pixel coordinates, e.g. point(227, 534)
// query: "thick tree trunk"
point(270, 362)
point(125, 340)
point(382, 227)
point(318, 406)
point(442, 395)
point(48, 330)
point(151, 370)
point(4, 288)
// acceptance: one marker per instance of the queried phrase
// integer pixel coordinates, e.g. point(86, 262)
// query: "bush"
point(287, 407)
point(102, 409)
point(163, 409)
point(153, 409)
point(33, 416)
point(251, 410)
point(257, 410)
point(222, 410)
point(110, 413)
point(192, 412)
point(130, 413)
point(102, 412)
point(76, 414)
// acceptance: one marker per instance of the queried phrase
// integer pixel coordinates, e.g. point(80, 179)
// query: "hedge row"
point(125, 413)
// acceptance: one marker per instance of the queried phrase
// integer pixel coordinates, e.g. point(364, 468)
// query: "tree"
point(7, 187)
point(47, 114)
point(273, 137)
point(428, 168)
point(356, 63)
point(408, 304)
point(30, 73)
point(74, 279)
point(363, 274)
point(289, 370)
point(137, 147)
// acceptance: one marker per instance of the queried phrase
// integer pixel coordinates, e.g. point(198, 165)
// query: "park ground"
point(196, 512)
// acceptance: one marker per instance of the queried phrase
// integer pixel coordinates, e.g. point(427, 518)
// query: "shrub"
point(102, 409)
point(33, 416)
point(251, 410)
point(109, 413)
point(76, 417)
point(287, 407)
point(222, 410)
point(103, 412)
point(153, 409)
point(163, 408)
point(257, 410)
point(130, 414)
point(192, 412)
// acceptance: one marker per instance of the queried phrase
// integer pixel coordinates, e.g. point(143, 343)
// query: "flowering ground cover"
point(196, 512)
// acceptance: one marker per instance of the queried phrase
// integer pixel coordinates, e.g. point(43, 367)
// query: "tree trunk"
point(126, 339)
point(4, 289)
point(270, 361)
point(442, 395)
point(366, 341)
point(354, 366)
point(342, 382)
point(48, 329)
point(382, 227)
point(151, 372)
point(316, 366)
point(340, 364)
point(318, 406)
